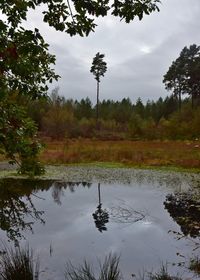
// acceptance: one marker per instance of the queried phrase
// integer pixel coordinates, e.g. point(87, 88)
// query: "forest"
point(59, 118)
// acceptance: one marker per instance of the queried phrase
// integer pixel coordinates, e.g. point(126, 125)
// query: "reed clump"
point(108, 270)
point(18, 264)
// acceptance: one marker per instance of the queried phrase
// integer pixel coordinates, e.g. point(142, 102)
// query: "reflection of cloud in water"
point(147, 223)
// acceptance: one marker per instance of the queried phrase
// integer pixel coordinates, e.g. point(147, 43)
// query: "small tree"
point(98, 69)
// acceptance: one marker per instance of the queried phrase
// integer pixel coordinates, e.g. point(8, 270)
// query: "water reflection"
point(124, 213)
point(59, 187)
point(136, 222)
point(17, 211)
point(185, 211)
point(101, 216)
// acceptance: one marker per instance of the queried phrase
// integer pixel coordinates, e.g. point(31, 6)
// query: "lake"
point(86, 220)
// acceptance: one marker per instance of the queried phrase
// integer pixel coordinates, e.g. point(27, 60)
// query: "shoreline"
point(92, 173)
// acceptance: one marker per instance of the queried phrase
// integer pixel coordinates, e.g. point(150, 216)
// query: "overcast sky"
point(137, 54)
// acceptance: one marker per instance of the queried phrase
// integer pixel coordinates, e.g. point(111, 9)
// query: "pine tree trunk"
point(99, 193)
point(97, 109)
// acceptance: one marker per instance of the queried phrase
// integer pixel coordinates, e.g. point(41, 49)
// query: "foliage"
point(161, 119)
point(24, 62)
point(77, 17)
point(24, 70)
point(183, 75)
point(98, 67)
point(58, 122)
point(83, 109)
point(18, 138)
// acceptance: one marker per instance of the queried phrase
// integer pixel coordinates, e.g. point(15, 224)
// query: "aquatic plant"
point(109, 270)
point(18, 264)
point(162, 274)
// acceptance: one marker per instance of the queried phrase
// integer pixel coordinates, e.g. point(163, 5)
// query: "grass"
point(162, 275)
point(178, 155)
point(109, 270)
point(18, 264)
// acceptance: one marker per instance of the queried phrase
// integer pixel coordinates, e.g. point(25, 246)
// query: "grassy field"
point(181, 154)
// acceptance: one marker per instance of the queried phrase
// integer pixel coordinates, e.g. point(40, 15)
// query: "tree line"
point(59, 118)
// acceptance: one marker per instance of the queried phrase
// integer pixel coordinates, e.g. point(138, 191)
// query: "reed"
point(18, 264)
point(108, 270)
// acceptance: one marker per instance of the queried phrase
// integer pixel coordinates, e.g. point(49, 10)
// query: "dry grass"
point(183, 154)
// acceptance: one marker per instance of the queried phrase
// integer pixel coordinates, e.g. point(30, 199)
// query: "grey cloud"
point(138, 54)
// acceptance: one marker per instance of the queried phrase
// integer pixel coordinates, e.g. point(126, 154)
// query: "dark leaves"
point(99, 67)
point(77, 17)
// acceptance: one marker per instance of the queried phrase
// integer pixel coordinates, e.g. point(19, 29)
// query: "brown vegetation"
point(185, 154)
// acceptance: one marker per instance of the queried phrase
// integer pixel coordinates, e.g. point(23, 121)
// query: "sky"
point(138, 54)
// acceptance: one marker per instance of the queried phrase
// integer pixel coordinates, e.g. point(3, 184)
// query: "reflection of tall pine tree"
point(101, 216)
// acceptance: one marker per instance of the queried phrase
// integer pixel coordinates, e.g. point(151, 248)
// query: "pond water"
point(77, 221)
